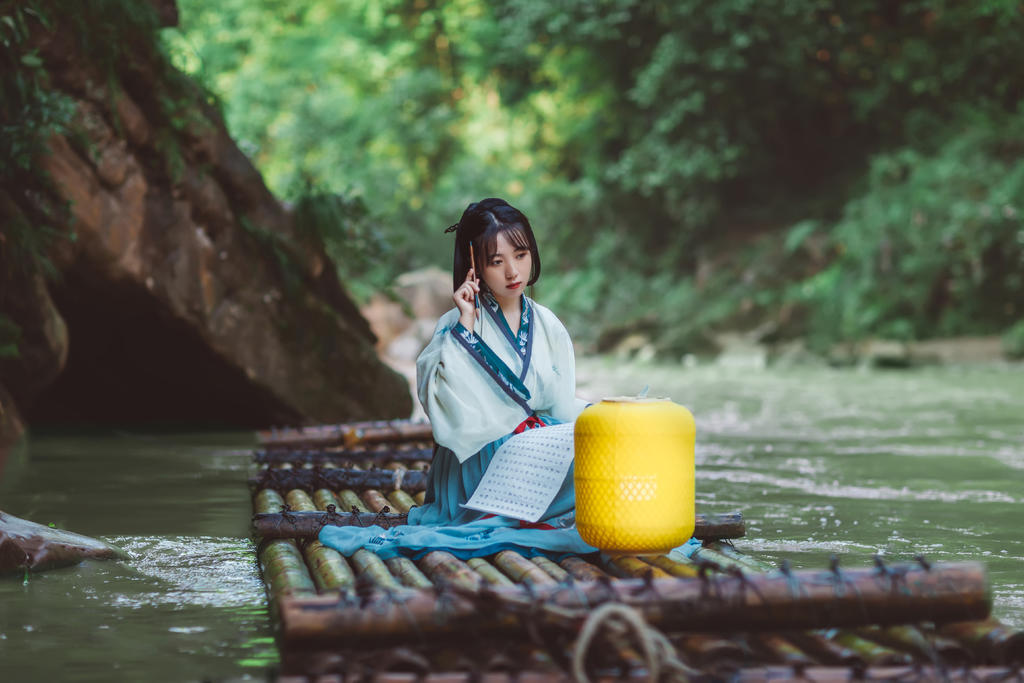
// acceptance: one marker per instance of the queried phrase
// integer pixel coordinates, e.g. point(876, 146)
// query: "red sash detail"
point(529, 423)
point(523, 524)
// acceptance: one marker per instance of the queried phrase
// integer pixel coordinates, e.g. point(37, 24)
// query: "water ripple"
point(192, 570)
point(837, 490)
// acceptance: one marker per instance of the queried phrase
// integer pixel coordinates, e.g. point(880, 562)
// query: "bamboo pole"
point(444, 568)
point(825, 651)
point(420, 497)
point(990, 640)
point(336, 455)
point(393, 432)
point(349, 434)
point(678, 565)
point(308, 524)
point(406, 571)
point(375, 500)
point(350, 499)
point(489, 572)
point(911, 639)
point(373, 570)
point(300, 501)
point(284, 571)
point(630, 566)
point(870, 651)
point(312, 478)
point(328, 567)
point(713, 653)
point(324, 497)
point(268, 501)
point(296, 437)
point(400, 501)
point(779, 650)
point(550, 568)
point(719, 560)
point(581, 570)
point(802, 600)
point(520, 569)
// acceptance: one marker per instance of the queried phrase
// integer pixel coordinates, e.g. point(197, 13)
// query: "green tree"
point(638, 136)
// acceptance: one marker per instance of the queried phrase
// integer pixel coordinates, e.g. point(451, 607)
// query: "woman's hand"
point(465, 299)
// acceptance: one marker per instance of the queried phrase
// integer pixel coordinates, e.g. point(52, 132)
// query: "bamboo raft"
point(719, 615)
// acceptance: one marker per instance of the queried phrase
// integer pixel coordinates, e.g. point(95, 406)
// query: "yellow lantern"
point(634, 475)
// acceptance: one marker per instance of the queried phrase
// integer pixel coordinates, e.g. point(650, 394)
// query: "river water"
point(819, 461)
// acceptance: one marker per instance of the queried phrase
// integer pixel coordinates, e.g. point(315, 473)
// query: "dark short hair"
point(481, 223)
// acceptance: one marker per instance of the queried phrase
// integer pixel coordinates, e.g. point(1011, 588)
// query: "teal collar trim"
point(522, 342)
point(493, 365)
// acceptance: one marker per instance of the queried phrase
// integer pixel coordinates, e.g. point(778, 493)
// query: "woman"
point(498, 363)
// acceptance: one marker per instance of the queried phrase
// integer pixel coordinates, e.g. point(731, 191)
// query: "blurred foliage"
point(935, 244)
point(1013, 340)
point(646, 138)
point(29, 114)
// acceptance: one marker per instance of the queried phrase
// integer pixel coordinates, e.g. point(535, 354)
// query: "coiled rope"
point(619, 620)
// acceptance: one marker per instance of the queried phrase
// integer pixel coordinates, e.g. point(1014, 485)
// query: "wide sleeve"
point(466, 408)
point(566, 407)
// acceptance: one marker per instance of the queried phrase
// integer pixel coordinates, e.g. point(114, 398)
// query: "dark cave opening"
point(130, 362)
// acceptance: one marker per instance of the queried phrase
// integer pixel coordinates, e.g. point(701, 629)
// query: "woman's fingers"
point(472, 280)
point(465, 295)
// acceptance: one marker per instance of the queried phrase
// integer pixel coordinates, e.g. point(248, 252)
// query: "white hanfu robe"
point(477, 388)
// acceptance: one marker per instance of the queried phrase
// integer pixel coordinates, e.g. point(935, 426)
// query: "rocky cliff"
point(181, 290)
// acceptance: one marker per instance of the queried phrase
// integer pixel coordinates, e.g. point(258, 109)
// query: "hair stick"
point(476, 299)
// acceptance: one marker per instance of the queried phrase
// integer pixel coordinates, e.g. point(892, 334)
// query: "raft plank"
point(308, 524)
point(410, 481)
point(797, 601)
point(410, 453)
point(381, 431)
point(764, 674)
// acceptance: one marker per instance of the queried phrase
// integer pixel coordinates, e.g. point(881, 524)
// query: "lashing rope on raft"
point(619, 621)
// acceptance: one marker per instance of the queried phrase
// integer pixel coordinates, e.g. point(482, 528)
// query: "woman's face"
point(507, 270)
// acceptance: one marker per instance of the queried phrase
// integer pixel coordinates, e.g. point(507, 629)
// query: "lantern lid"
point(635, 399)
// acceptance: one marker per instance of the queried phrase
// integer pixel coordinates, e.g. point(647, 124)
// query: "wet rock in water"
point(953, 350)
point(742, 351)
point(886, 353)
point(27, 545)
point(876, 353)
